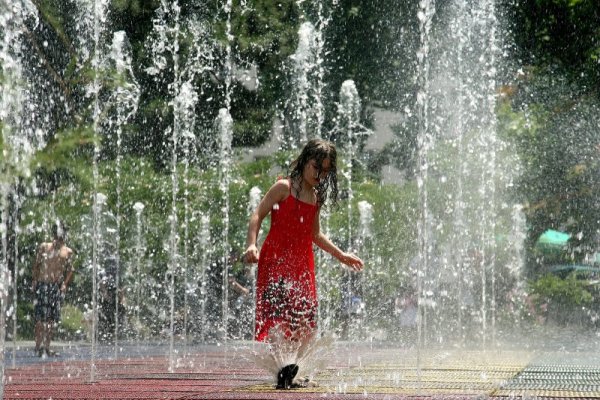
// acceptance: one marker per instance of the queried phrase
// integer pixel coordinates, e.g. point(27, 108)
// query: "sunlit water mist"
point(465, 205)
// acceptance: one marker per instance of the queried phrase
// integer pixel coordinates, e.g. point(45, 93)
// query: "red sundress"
point(286, 294)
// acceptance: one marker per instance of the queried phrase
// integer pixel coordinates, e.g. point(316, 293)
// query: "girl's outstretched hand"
point(353, 261)
point(251, 254)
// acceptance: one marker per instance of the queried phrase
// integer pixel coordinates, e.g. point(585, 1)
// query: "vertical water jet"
point(225, 131)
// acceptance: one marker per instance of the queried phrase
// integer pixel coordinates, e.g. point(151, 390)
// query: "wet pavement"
point(347, 371)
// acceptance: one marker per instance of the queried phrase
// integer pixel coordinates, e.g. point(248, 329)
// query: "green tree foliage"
point(374, 43)
point(563, 32)
point(265, 35)
point(553, 117)
point(565, 301)
point(570, 291)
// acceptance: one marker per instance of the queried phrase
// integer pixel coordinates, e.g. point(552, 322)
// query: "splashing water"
point(304, 350)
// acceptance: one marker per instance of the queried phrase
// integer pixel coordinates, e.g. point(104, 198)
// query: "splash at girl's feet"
point(286, 376)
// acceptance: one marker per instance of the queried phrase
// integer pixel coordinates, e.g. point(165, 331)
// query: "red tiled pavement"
point(214, 373)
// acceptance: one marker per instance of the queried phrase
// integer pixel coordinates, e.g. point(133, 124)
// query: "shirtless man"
point(51, 274)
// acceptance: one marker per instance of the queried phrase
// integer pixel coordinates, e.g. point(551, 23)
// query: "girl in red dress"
point(286, 295)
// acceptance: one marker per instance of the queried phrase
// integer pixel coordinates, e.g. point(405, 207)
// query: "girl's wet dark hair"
point(318, 150)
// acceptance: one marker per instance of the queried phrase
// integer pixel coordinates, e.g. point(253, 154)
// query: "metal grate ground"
point(353, 372)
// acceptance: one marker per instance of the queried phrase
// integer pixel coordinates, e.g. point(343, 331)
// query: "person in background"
point(52, 273)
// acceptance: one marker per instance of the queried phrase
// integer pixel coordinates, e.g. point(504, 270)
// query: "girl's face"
point(314, 173)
